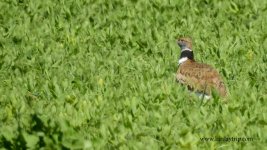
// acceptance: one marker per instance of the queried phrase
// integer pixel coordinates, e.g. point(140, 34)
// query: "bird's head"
point(185, 43)
point(186, 50)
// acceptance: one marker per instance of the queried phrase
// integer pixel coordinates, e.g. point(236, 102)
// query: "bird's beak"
point(179, 42)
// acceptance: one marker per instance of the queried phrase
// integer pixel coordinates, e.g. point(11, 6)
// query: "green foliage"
point(99, 74)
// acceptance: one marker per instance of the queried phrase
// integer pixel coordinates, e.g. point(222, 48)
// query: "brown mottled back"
point(200, 77)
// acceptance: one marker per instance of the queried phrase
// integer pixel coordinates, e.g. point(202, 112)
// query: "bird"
point(200, 78)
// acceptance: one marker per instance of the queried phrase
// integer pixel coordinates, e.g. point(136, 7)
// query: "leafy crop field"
point(100, 74)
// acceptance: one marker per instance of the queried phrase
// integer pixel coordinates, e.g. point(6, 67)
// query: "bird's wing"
point(200, 77)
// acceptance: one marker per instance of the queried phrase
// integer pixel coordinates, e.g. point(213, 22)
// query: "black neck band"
point(188, 54)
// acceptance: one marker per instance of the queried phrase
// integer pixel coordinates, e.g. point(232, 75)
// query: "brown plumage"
point(196, 76)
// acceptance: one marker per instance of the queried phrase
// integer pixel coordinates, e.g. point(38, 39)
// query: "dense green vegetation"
point(100, 74)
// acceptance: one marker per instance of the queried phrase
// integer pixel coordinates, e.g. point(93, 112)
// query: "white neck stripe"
point(182, 60)
point(186, 49)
